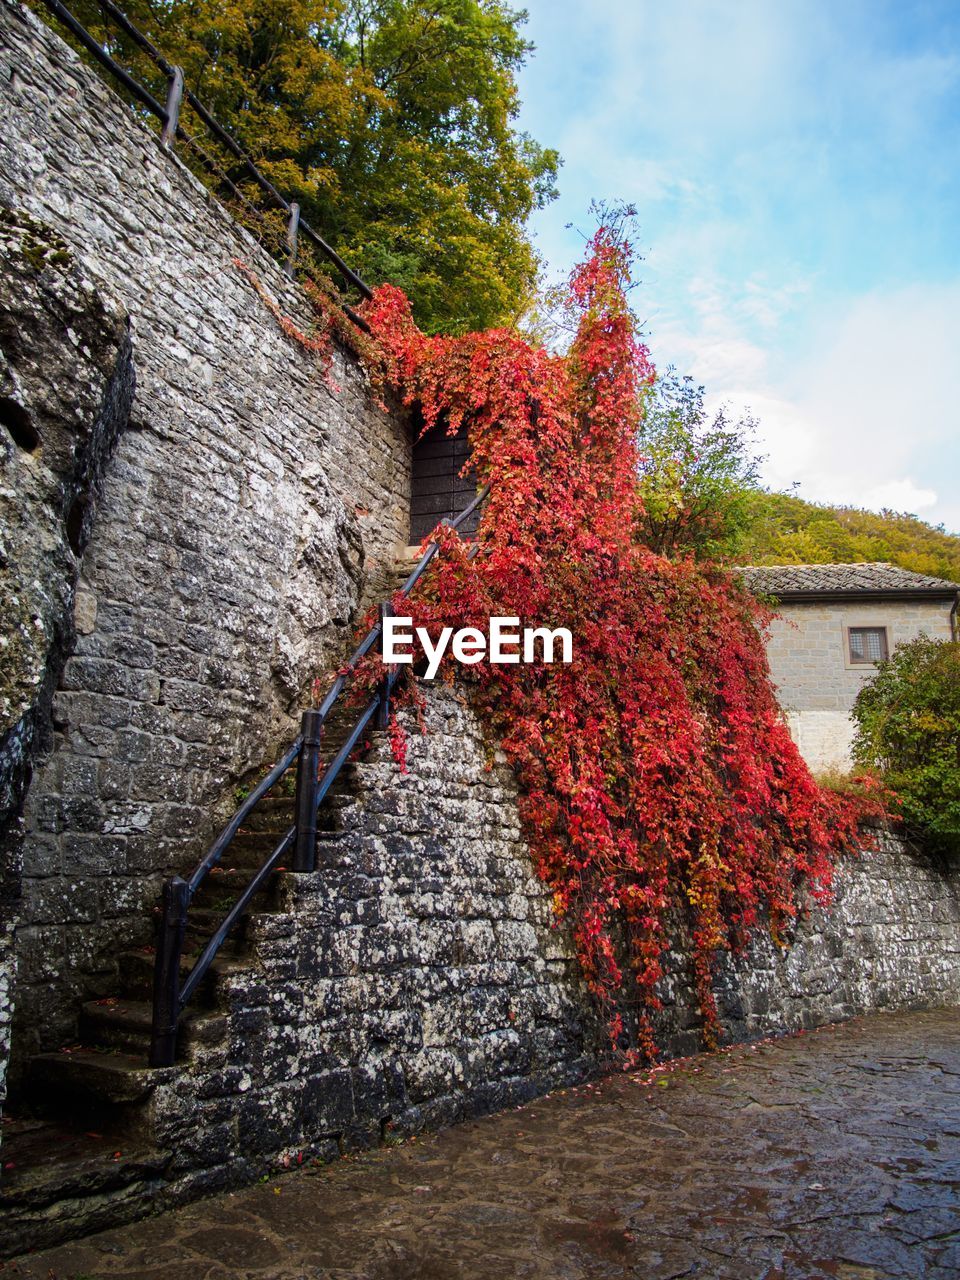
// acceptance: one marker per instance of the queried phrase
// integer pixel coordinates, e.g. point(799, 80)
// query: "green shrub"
point(908, 728)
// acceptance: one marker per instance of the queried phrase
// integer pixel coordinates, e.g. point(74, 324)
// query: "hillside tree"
point(391, 122)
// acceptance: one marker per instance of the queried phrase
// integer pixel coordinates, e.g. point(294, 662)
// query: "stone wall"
point(66, 382)
point(418, 978)
point(889, 940)
point(817, 685)
point(415, 979)
point(424, 956)
point(248, 506)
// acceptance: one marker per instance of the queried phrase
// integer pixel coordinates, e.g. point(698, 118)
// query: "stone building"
point(194, 518)
point(835, 623)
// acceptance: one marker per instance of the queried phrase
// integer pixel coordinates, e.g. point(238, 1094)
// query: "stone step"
point(276, 801)
point(336, 728)
point(267, 817)
point(251, 848)
point(123, 1024)
point(85, 1074)
point(137, 968)
point(224, 885)
point(55, 1176)
point(275, 813)
point(203, 922)
point(101, 1088)
point(207, 914)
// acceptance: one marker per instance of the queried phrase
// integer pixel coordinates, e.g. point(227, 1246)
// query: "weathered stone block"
point(326, 1103)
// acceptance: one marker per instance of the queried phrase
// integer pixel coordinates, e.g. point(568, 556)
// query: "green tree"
point(392, 122)
point(908, 728)
point(785, 529)
point(697, 473)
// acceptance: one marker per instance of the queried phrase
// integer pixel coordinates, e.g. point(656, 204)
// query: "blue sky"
point(796, 169)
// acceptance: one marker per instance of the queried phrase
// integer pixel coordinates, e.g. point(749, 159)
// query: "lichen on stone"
point(39, 245)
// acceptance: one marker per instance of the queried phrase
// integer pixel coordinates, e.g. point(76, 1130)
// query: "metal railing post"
point(293, 231)
point(168, 134)
point(383, 710)
point(308, 769)
point(166, 975)
point(169, 116)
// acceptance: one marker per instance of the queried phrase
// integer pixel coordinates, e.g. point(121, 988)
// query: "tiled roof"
point(804, 580)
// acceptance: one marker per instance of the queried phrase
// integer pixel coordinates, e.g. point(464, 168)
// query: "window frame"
point(861, 664)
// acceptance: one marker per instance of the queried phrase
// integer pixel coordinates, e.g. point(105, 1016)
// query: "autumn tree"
point(392, 122)
point(786, 529)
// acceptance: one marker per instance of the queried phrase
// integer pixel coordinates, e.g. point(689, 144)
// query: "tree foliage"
point(392, 122)
point(908, 728)
point(785, 529)
point(701, 490)
point(656, 770)
point(697, 473)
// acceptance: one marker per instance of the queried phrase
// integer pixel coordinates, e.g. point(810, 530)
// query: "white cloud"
point(794, 167)
point(860, 415)
point(901, 495)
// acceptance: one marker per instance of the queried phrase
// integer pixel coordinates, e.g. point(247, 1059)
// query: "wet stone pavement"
point(834, 1153)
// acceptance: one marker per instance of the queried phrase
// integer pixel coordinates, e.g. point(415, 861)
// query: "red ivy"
point(655, 769)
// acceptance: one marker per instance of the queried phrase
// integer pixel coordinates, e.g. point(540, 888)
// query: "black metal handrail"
point(169, 117)
point(170, 994)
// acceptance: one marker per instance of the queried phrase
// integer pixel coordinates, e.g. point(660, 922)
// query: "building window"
point(868, 644)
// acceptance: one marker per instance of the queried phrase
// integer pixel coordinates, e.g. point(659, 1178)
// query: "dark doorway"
point(437, 488)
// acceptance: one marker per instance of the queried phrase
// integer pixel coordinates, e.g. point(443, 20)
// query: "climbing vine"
point(655, 769)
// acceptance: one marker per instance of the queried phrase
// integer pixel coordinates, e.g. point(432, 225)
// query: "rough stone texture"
point(415, 979)
point(66, 382)
point(890, 939)
point(817, 685)
point(243, 516)
point(60, 347)
point(419, 975)
point(831, 1156)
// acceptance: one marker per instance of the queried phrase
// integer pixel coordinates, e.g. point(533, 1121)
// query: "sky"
point(795, 165)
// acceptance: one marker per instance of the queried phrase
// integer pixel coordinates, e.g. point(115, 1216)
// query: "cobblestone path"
point(830, 1154)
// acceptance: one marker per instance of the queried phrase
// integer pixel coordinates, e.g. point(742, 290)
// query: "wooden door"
point(438, 490)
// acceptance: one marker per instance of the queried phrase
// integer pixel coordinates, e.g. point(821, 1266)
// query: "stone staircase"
point(416, 980)
point(79, 1147)
point(82, 1130)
